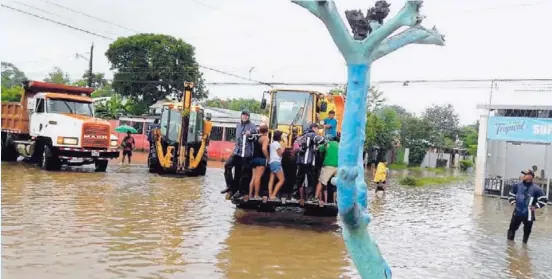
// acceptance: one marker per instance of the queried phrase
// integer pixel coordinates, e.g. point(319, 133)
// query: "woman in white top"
point(275, 164)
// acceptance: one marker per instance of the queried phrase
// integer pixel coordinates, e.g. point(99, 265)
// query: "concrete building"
point(511, 139)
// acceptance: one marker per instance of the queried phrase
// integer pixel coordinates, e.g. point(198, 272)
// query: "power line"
point(57, 22)
point(112, 39)
point(90, 16)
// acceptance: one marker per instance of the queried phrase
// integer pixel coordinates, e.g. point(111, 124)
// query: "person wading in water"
point(128, 145)
point(260, 156)
point(526, 196)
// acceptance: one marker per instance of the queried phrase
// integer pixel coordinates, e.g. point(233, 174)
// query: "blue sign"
point(522, 129)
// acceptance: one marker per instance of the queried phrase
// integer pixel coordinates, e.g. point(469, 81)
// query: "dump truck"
point(180, 142)
point(55, 125)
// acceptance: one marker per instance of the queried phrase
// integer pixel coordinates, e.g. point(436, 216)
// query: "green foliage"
point(98, 80)
point(465, 165)
point(436, 180)
point(383, 125)
point(408, 180)
point(104, 91)
point(57, 76)
point(11, 76)
point(337, 91)
point(253, 105)
point(152, 66)
point(444, 121)
point(113, 109)
point(375, 99)
point(12, 94)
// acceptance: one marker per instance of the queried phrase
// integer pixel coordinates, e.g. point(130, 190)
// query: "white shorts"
point(326, 174)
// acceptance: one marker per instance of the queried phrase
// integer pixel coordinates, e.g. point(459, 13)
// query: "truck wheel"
point(9, 152)
point(202, 168)
point(153, 164)
point(101, 165)
point(49, 160)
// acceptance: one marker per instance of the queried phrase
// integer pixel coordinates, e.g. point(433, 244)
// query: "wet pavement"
point(127, 223)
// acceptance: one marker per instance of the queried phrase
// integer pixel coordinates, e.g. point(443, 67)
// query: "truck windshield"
point(70, 106)
point(292, 107)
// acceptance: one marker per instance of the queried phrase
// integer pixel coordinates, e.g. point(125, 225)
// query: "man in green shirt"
point(329, 168)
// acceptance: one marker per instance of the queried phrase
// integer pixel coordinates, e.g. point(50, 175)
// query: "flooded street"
point(127, 223)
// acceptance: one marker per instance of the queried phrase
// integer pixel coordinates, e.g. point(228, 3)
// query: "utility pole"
point(90, 66)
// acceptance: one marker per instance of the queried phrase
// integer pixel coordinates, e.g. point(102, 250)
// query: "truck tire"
point(101, 165)
point(153, 164)
point(202, 168)
point(49, 161)
point(9, 152)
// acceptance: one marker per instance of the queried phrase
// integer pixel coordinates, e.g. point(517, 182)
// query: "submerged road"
point(127, 223)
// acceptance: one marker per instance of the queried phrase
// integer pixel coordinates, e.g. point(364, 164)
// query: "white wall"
point(508, 160)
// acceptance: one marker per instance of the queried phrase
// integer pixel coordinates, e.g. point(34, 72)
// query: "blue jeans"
point(276, 167)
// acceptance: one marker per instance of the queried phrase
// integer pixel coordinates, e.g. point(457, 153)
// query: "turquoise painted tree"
point(370, 41)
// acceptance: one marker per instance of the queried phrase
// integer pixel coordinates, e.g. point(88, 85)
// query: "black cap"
point(313, 125)
point(528, 172)
point(245, 111)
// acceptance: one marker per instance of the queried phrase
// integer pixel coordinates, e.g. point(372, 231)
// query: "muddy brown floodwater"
point(127, 223)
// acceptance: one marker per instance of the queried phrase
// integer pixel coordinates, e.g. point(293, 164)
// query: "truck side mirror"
point(263, 101)
point(208, 116)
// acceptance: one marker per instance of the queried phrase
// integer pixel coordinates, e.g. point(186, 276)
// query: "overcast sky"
point(485, 39)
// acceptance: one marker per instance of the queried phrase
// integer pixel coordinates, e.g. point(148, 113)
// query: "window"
point(216, 133)
point(230, 134)
point(292, 107)
point(70, 106)
point(40, 106)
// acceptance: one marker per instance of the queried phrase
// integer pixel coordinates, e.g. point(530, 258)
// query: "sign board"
point(522, 129)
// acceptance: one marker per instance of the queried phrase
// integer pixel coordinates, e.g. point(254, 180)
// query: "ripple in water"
point(127, 223)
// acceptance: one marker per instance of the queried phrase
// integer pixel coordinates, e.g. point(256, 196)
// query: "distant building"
point(513, 138)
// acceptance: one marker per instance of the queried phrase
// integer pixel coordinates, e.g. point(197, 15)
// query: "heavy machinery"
point(180, 142)
point(291, 111)
point(54, 125)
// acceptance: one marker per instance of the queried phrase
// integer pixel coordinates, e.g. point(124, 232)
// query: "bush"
point(465, 165)
point(408, 180)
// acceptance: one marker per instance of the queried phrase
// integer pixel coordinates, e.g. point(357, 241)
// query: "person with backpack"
point(306, 154)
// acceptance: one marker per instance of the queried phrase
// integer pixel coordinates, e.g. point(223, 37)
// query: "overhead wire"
point(57, 22)
point(90, 16)
point(112, 39)
point(253, 82)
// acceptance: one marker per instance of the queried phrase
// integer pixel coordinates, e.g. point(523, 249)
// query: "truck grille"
point(95, 135)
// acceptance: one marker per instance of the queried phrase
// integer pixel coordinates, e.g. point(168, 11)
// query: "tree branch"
point(408, 16)
point(326, 11)
point(415, 35)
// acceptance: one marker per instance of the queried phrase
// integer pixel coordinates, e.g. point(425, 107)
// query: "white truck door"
point(37, 116)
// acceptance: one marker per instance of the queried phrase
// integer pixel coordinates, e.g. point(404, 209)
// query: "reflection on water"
point(127, 223)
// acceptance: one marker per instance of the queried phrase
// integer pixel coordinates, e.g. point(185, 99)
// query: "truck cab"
point(55, 125)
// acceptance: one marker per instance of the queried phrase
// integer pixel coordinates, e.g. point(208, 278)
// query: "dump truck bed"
point(15, 118)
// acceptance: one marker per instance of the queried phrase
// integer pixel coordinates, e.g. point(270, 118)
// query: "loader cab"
point(171, 123)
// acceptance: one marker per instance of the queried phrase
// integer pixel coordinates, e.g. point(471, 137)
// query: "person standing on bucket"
point(240, 160)
point(526, 196)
